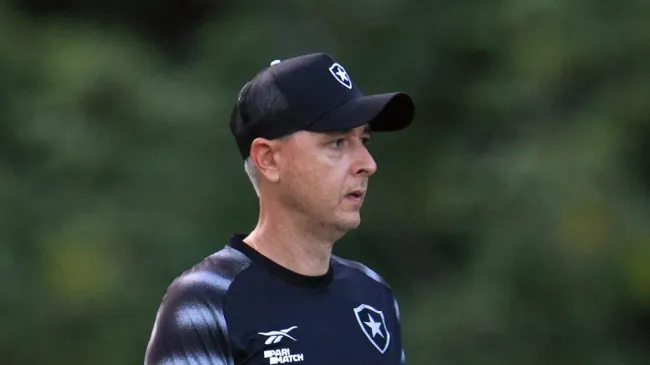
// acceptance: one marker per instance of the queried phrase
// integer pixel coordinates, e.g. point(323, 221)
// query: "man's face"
point(324, 176)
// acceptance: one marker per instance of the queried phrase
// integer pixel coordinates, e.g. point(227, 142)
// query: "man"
point(277, 294)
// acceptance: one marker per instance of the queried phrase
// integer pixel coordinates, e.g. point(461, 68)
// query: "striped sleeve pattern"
point(363, 268)
point(399, 321)
point(190, 326)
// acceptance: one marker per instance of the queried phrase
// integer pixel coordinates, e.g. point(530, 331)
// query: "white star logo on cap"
point(341, 75)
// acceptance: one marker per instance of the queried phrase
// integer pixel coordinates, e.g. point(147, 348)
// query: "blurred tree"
point(513, 223)
point(166, 23)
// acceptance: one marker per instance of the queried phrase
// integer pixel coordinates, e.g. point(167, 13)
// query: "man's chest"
point(362, 329)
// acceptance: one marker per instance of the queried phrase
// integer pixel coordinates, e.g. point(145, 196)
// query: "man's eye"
point(338, 142)
point(365, 140)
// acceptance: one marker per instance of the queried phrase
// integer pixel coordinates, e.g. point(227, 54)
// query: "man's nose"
point(365, 163)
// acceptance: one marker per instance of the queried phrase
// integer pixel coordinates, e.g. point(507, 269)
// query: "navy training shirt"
point(239, 307)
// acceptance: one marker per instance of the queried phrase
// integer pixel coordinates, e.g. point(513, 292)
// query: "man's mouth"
point(356, 195)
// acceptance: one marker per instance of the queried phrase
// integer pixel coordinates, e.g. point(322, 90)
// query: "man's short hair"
point(253, 175)
point(251, 109)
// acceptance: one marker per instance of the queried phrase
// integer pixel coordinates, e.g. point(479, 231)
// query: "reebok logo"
point(277, 336)
point(280, 356)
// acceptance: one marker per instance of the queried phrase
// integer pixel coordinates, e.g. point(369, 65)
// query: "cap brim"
point(384, 113)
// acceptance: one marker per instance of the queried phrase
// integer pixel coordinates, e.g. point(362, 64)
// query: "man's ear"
point(264, 156)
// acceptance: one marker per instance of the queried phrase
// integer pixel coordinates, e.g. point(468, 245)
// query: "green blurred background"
point(512, 219)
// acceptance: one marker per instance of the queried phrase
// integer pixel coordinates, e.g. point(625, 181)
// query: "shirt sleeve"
point(190, 326)
point(399, 322)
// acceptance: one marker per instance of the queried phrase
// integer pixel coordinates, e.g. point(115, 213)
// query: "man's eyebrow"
point(334, 133)
point(366, 130)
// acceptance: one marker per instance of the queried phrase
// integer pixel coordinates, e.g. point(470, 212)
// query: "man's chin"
point(349, 223)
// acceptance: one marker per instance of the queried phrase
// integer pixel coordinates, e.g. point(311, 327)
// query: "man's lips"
point(356, 194)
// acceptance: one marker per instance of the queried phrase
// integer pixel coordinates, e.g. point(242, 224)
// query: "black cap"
point(313, 93)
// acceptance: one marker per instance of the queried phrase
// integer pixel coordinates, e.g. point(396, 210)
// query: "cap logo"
point(341, 75)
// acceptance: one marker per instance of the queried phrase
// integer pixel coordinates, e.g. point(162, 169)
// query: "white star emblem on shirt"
point(374, 326)
point(375, 323)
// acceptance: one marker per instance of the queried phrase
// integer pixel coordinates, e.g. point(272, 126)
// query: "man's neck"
point(287, 240)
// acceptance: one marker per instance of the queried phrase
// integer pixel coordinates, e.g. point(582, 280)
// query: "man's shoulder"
point(361, 269)
point(214, 273)
point(191, 321)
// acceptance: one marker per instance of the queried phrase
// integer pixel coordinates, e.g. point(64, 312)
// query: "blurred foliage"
point(511, 219)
